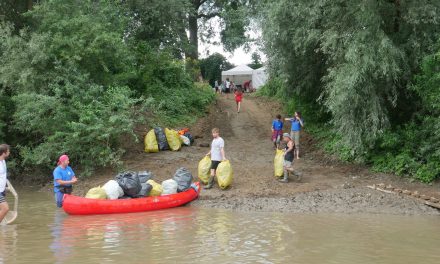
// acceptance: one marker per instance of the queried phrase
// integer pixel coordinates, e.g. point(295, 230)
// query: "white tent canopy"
point(243, 73)
point(259, 77)
point(238, 75)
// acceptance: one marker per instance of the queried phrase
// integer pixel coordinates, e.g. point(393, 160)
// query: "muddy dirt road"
point(326, 185)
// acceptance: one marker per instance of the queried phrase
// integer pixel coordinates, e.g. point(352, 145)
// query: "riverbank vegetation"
point(365, 76)
point(78, 78)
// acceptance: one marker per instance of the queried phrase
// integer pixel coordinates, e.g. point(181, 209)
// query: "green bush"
point(76, 82)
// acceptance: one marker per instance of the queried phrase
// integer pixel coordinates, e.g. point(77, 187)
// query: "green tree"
point(212, 67)
point(76, 81)
point(169, 20)
point(256, 61)
point(355, 58)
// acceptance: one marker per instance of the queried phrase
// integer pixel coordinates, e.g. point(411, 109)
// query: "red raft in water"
point(76, 205)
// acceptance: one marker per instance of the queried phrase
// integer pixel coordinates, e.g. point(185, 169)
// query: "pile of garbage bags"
point(130, 184)
point(159, 139)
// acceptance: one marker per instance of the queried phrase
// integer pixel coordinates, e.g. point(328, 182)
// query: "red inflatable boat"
point(76, 205)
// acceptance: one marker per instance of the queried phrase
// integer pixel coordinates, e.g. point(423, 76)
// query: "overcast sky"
point(239, 56)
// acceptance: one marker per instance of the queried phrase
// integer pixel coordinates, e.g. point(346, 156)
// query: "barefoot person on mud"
point(296, 122)
point(277, 131)
point(288, 157)
point(217, 153)
point(4, 207)
point(64, 177)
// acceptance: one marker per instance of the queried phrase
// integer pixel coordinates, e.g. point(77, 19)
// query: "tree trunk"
point(397, 17)
point(193, 51)
point(30, 4)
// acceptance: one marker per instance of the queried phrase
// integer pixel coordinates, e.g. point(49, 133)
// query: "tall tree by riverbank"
point(353, 63)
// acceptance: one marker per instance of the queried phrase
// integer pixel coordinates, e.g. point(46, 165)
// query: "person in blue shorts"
point(297, 123)
point(277, 131)
point(64, 178)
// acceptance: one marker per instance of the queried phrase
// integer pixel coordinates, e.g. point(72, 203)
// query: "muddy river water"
point(44, 234)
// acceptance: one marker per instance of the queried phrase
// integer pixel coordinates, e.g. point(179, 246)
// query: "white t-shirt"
point(228, 84)
point(2, 175)
point(216, 146)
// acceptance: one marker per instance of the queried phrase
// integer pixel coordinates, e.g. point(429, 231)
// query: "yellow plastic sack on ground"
point(96, 193)
point(224, 174)
point(204, 169)
point(157, 188)
point(150, 142)
point(278, 163)
point(173, 139)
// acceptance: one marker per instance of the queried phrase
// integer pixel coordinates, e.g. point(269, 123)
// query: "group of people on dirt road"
point(291, 141)
point(288, 142)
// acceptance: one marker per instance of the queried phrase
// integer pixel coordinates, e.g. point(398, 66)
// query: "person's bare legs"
point(238, 107)
point(4, 209)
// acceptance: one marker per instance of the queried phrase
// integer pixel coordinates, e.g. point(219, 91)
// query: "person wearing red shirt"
point(238, 97)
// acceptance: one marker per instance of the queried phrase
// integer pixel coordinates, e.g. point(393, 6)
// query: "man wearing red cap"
point(64, 177)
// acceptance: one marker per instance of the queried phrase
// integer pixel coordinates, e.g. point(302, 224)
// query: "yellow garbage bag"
point(224, 174)
point(278, 163)
point(204, 169)
point(157, 188)
point(96, 193)
point(150, 142)
point(173, 139)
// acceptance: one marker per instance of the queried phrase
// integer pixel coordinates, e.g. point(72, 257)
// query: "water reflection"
point(44, 234)
point(185, 234)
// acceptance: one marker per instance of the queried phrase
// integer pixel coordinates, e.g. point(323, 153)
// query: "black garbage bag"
point(161, 138)
point(129, 182)
point(184, 178)
point(145, 190)
point(144, 176)
point(190, 137)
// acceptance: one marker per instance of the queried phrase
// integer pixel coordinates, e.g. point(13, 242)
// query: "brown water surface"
point(45, 234)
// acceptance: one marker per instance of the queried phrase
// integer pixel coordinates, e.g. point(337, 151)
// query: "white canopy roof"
point(239, 70)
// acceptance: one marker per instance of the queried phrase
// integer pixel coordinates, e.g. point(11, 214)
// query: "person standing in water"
point(4, 154)
point(64, 178)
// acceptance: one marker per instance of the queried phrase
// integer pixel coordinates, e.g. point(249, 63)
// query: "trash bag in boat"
point(129, 182)
point(169, 187)
point(184, 178)
point(113, 190)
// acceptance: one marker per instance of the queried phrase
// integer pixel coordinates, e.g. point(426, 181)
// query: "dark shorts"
point(2, 198)
point(214, 164)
